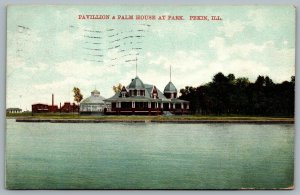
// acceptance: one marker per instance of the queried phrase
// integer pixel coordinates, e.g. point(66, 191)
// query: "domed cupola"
point(94, 98)
point(137, 84)
point(170, 90)
point(95, 93)
point(136, 87)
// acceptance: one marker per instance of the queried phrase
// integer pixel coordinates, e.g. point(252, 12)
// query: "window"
point(167, 95)
point(153, 105)
point(126, 105)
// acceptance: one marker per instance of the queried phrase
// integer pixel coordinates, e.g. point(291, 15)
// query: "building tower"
point(136, 87)
point(170, 90)
point(95, 93)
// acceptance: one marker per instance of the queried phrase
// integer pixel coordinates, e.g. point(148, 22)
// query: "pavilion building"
point(146, 99)
point(93, 105)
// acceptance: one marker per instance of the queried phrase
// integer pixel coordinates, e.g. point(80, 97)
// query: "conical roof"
point(170, 88)
point(95, 98)
point(95, 93)
point(136, 83)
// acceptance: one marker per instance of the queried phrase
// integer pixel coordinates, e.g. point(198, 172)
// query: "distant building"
point(94, 104)
point(13, 110)
point(139, 98)
point(68, 107)
point(40, 108)
point(44, 108)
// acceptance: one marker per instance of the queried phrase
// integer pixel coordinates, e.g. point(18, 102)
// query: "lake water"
point(148, 156)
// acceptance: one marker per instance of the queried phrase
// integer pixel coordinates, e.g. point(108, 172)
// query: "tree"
point(268, 81)
point(230, 95)
point(220, 78)
point(242, 82)
point(220, 90)
point(117, 88)
point(293, 79)
point(260, 81)
point(77, 94)
point(231, 78)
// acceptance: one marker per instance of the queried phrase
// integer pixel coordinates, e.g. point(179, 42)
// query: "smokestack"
point(52, 99)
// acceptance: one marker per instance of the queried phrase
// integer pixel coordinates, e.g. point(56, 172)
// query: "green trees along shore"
point(238, 96)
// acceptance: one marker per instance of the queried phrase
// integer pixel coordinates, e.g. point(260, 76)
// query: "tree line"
point(227, 95)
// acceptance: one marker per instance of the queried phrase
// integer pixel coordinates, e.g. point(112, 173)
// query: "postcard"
point(150, 97)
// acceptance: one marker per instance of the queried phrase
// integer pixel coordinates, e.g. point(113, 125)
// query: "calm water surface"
point(148, 156)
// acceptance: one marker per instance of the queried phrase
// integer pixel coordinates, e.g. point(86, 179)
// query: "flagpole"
point(135, 66)
point(170, 73)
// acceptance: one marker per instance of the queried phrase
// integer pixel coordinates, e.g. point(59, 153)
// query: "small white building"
point(93, 104)
point(13, 110)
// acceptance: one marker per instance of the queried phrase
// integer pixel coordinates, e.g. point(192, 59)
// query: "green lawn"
point(142, 118)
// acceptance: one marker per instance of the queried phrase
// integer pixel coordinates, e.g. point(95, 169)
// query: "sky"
point(50, 50)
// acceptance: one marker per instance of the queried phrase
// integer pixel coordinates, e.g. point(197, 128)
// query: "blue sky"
point(49, 50)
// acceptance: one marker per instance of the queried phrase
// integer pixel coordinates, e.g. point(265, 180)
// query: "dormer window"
point(154, 93)
point(123, 92)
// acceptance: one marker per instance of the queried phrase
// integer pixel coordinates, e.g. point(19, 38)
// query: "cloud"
point(18, 68)
point(63, 88)
point(170, 27)
point(187, 69)
point(251, 60)
point(39, 67)
point(181, 61)
point(240, 68)
point(14, 64)
point(23, 45)
point(83, 69)
point(230, 28)
point(242, 59)
point(85, 75)
point(244, 50)
point(68, 39)
point(247, 43)
point(264, 18)
point(261, 19)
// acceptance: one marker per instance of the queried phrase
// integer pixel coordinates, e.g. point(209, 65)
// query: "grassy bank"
point(143, 118)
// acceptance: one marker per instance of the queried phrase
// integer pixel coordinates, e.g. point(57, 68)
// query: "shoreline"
point(199, 121)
